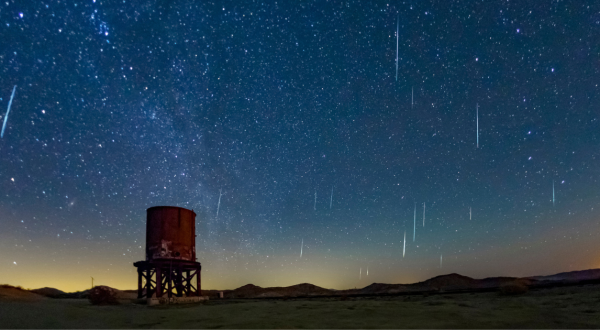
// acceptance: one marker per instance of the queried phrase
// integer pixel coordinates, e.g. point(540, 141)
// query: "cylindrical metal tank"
point(170, 233)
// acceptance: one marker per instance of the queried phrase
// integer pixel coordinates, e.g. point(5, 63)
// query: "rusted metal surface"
point(170, 268)
point(170, 233)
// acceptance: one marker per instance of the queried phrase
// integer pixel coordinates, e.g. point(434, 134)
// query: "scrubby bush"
point(103, 295)
point(513, 288)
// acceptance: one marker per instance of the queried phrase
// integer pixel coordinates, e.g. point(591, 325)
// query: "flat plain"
point(559, 307)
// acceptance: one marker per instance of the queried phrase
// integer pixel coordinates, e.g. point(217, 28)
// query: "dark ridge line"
point(533, 287)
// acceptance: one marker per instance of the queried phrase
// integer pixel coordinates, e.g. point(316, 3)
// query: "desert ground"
point(559, 307)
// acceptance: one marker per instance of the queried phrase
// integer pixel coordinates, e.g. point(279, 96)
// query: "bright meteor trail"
point(477, 107)
point(415, 223)
point(219, 204)
point(397, 32)
point(423, 214)
point(7, 111)
point(404, 248)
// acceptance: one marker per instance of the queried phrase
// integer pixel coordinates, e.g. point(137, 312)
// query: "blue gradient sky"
point(121, 106)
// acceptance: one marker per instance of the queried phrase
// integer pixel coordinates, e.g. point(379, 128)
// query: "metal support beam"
point(140, 290)
point(198, 290)
point(159, 286)
point(188, 283)
point(170, 277)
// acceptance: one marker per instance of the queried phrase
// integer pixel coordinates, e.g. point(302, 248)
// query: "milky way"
point(251, 110)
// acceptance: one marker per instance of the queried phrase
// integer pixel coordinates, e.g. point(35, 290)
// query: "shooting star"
point(553, 193)
point(404, 249)
point(331, 200)
point(7, 111)
point(367, 271)
point(415, 223)
point(360, 274)
point(412, 98)
point(423, 214)
point(301, 247)
point(219, 204)
point(315, 200)
point(440, 261)
point(477, 107)
point(397, 34)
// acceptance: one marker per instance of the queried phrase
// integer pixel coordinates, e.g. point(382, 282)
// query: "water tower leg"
point(148, 283)
point(179, 284)
point(198, 290)
point(188, 283)
point(139, 283)
point(159, 288)
point(170, 282)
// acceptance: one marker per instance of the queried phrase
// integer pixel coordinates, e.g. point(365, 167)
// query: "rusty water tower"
point(170, 267)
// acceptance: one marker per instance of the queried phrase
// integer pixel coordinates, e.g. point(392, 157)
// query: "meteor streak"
point(477, 107)
point(404, 249)
point(7, 111)
point(397, 33)
point(415, 223)
point(219, 204)
point(440, 261)
point(553, 193)
point(301, 247)
point(423, 214)
point(331, 200)
point(315, 200)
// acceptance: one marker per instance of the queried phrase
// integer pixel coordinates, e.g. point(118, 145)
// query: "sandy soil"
point(566, 307)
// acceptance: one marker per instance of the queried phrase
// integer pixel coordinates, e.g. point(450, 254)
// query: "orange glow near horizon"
point(70, 269)
point(320, 272)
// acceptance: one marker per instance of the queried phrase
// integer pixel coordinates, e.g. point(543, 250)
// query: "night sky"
point(290, 112)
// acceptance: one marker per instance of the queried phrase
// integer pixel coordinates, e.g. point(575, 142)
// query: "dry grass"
point(573, 307)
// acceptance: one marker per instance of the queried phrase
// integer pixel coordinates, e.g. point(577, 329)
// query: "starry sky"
point(317, 126)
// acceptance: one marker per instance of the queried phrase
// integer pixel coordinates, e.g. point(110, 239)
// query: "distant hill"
point(298, 290)
point(443, 283)
point(55, 293)
point(579, 275)
point(9, 292)
point(450, 282)
point(48, 292)
point(76, 295)
point(379, 288)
